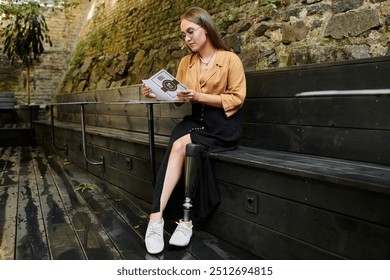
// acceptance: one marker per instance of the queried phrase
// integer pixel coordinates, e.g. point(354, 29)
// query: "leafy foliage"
point(26, 32)
point(85, 187)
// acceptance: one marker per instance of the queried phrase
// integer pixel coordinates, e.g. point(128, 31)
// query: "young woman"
point(217, 88)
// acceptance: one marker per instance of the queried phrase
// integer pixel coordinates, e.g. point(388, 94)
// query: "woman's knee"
point(179, 146)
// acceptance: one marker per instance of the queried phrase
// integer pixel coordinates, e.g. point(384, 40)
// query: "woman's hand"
point(188, 95)
point(147, 92)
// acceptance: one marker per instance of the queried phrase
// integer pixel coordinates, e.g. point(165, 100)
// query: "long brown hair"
point(202, 17)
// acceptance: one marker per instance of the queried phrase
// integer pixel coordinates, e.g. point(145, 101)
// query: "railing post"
point(151, 143)
point(65, 149)
point(92, 162)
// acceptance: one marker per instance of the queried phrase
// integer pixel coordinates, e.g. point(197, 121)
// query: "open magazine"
point(164, 85)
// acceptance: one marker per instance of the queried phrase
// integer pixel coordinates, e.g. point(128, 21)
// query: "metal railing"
point(150, 116)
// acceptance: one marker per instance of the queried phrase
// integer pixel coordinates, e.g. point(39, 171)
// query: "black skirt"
point(209, 127)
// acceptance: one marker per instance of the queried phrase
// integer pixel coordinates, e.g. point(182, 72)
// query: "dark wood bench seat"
point(310, 179)
point(358, 174)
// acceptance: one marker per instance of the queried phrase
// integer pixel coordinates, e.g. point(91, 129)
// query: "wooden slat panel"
point(9, 173)
point(352, 74)
point(64, 244)
point(72, 118)
point(346, 143)
point(163, 126)
point(8, 208)
point(138, 110)
point(31, 242)
point(110, 94)
point(139, 187)
point(321, 228)
point(369, 112)
point(262, 241)
point(364, 204)
point(118, 230)
point(362, 145)
point(128, 117)
point(9, 161)
point(92, 235)
point(278, 137)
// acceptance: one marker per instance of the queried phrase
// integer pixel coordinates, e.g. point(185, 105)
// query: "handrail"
point(358, 92)
point(90, 161)
point(151, 143)
point(149, 104)
point(53, 141)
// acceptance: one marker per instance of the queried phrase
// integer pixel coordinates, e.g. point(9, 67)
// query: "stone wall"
point(125, 41)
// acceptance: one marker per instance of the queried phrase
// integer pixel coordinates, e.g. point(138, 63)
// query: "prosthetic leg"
point(192, 176)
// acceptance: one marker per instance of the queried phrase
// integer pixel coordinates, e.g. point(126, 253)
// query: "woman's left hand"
point(188, 95)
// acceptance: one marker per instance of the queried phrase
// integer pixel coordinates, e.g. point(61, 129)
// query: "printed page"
point(164, 85)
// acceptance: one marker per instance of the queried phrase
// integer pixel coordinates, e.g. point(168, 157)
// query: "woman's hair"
point(202, 17)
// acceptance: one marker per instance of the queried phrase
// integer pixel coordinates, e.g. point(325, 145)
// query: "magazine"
point(164, 85)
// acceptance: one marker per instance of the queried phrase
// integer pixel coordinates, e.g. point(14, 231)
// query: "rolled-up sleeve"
point(226, 78)
point(234, 95)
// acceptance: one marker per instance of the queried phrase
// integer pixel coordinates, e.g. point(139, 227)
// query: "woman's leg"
point(173, 173)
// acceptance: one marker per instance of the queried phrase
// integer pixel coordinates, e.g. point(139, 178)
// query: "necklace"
point(206, 64)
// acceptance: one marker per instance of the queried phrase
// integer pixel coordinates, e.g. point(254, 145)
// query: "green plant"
point(24, 35)
point(227, 20)
point(85, 187)
point(78, 55)
point(272, 6)
point(26, 32)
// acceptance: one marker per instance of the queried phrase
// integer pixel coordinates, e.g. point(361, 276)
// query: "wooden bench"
point(7, 108)
point(317, 168)
point(310, 180)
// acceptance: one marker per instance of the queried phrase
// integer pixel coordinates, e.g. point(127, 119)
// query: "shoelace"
point(154, 229)
point(183, 228)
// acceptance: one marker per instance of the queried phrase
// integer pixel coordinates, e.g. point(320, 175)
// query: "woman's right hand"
point(147, 92)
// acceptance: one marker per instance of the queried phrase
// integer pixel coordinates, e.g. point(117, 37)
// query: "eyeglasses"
point(189, 33)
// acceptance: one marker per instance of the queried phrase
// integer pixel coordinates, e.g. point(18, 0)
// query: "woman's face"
point(195, 35)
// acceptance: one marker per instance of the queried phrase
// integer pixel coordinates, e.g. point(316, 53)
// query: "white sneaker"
point(182, 235)
point(154, 237)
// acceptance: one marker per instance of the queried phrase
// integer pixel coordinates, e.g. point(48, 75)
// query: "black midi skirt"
point(209, 127)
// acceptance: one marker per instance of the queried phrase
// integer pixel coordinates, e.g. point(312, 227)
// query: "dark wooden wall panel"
point(129, 117)
point(370, 205)
point(369, 112)
point(354, 127)
point(315, 226)
point(263, 241)
point(344, 75)
point(345, 143)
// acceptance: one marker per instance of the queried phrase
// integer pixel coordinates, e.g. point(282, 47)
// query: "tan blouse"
point(226, 78)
